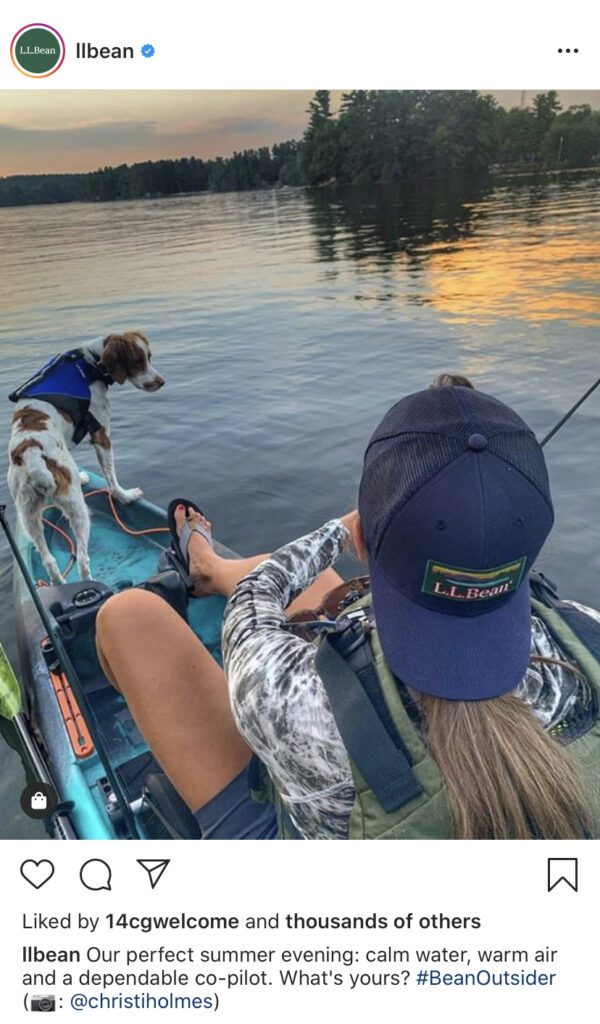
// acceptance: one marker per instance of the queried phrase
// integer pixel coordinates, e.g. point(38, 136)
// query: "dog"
point(67, 400)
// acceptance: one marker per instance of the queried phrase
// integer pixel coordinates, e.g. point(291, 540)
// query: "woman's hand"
point(352, 523)
point(350, 520)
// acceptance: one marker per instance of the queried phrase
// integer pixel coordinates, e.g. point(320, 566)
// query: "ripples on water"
point(287, 322)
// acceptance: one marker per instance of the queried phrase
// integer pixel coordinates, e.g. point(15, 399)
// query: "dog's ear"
point(114, 357)
point(121, 356)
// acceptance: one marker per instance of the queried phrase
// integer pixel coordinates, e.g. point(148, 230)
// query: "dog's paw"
point(133, 494)
point(84, 477)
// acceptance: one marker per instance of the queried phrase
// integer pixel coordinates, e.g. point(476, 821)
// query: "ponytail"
point(506, 777)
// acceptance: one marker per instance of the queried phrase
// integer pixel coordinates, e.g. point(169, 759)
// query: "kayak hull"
point(125, 545)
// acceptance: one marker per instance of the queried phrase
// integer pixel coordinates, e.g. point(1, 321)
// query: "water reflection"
point(387, 223)
point(286, 322)
point(475, 252)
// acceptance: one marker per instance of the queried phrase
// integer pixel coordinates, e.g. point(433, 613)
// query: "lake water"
point(286, 323)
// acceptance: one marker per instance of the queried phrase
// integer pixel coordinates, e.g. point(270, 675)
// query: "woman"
point(454, 507)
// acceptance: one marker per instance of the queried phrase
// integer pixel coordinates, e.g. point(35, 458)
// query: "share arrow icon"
point(155, 870)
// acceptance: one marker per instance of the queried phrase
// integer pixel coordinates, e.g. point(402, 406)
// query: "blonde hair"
point(506, 777)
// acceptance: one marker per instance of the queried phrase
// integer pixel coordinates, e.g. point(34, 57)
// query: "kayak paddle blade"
point(10, 692)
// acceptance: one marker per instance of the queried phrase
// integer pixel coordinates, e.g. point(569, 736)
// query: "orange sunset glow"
point(484, 280)
point(58, 131)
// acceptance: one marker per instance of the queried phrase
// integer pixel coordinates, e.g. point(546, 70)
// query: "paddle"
point(11, 709)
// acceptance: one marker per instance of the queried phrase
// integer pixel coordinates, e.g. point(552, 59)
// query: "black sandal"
point(180, 544)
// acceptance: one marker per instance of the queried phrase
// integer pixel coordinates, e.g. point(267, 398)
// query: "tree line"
point(383, 136)
point(376, 136)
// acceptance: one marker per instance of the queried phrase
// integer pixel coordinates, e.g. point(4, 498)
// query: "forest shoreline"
point(376, 137)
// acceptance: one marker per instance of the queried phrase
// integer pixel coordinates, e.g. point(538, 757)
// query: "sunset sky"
point(55, 130)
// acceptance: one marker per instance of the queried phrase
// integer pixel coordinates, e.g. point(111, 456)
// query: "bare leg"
point(216, 575)
point(176, 692)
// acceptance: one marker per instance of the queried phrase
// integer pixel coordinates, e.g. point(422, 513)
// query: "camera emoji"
point(39, 802)
point(42, 1004)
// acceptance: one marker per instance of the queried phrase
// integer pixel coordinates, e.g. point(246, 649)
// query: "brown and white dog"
point(42, 470)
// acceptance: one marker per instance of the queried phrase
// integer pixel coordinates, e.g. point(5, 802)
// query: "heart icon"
point(37, 872)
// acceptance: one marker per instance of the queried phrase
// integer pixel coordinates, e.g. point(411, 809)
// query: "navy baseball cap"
point(455, 506)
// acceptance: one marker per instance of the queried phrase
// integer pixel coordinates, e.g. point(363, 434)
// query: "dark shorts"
point(233, 814)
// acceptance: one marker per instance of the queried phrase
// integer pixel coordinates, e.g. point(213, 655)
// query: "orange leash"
point(118, 520)
point(127, 529)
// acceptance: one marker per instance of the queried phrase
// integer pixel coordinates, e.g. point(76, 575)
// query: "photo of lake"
point(286, 320)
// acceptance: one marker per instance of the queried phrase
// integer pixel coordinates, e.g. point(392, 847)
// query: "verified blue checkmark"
point(148, 50)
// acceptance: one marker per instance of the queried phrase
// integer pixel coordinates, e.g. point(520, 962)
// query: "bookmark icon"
point(563, 869)
point(155, 869)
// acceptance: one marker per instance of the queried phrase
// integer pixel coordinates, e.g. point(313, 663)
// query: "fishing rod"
point(11, 708)
point(568, 414)
point(68, 670)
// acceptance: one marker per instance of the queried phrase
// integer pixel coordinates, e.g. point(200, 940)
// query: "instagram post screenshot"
point(299, 334)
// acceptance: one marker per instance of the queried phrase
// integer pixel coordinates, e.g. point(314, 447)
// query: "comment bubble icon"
point(95, 874)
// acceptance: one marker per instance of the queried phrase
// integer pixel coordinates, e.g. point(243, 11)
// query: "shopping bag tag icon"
point(39, 802)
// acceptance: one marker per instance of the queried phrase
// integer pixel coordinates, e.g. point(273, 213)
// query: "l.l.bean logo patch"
point(472, 584)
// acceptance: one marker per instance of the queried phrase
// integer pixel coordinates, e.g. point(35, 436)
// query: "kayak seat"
point(73, 604)
point(74, 607)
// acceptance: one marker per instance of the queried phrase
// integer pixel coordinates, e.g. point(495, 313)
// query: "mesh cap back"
point(425, 432)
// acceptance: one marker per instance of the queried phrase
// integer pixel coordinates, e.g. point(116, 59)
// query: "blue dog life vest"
point(64, 381)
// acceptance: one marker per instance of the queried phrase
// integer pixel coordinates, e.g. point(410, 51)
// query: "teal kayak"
point(104, 772)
